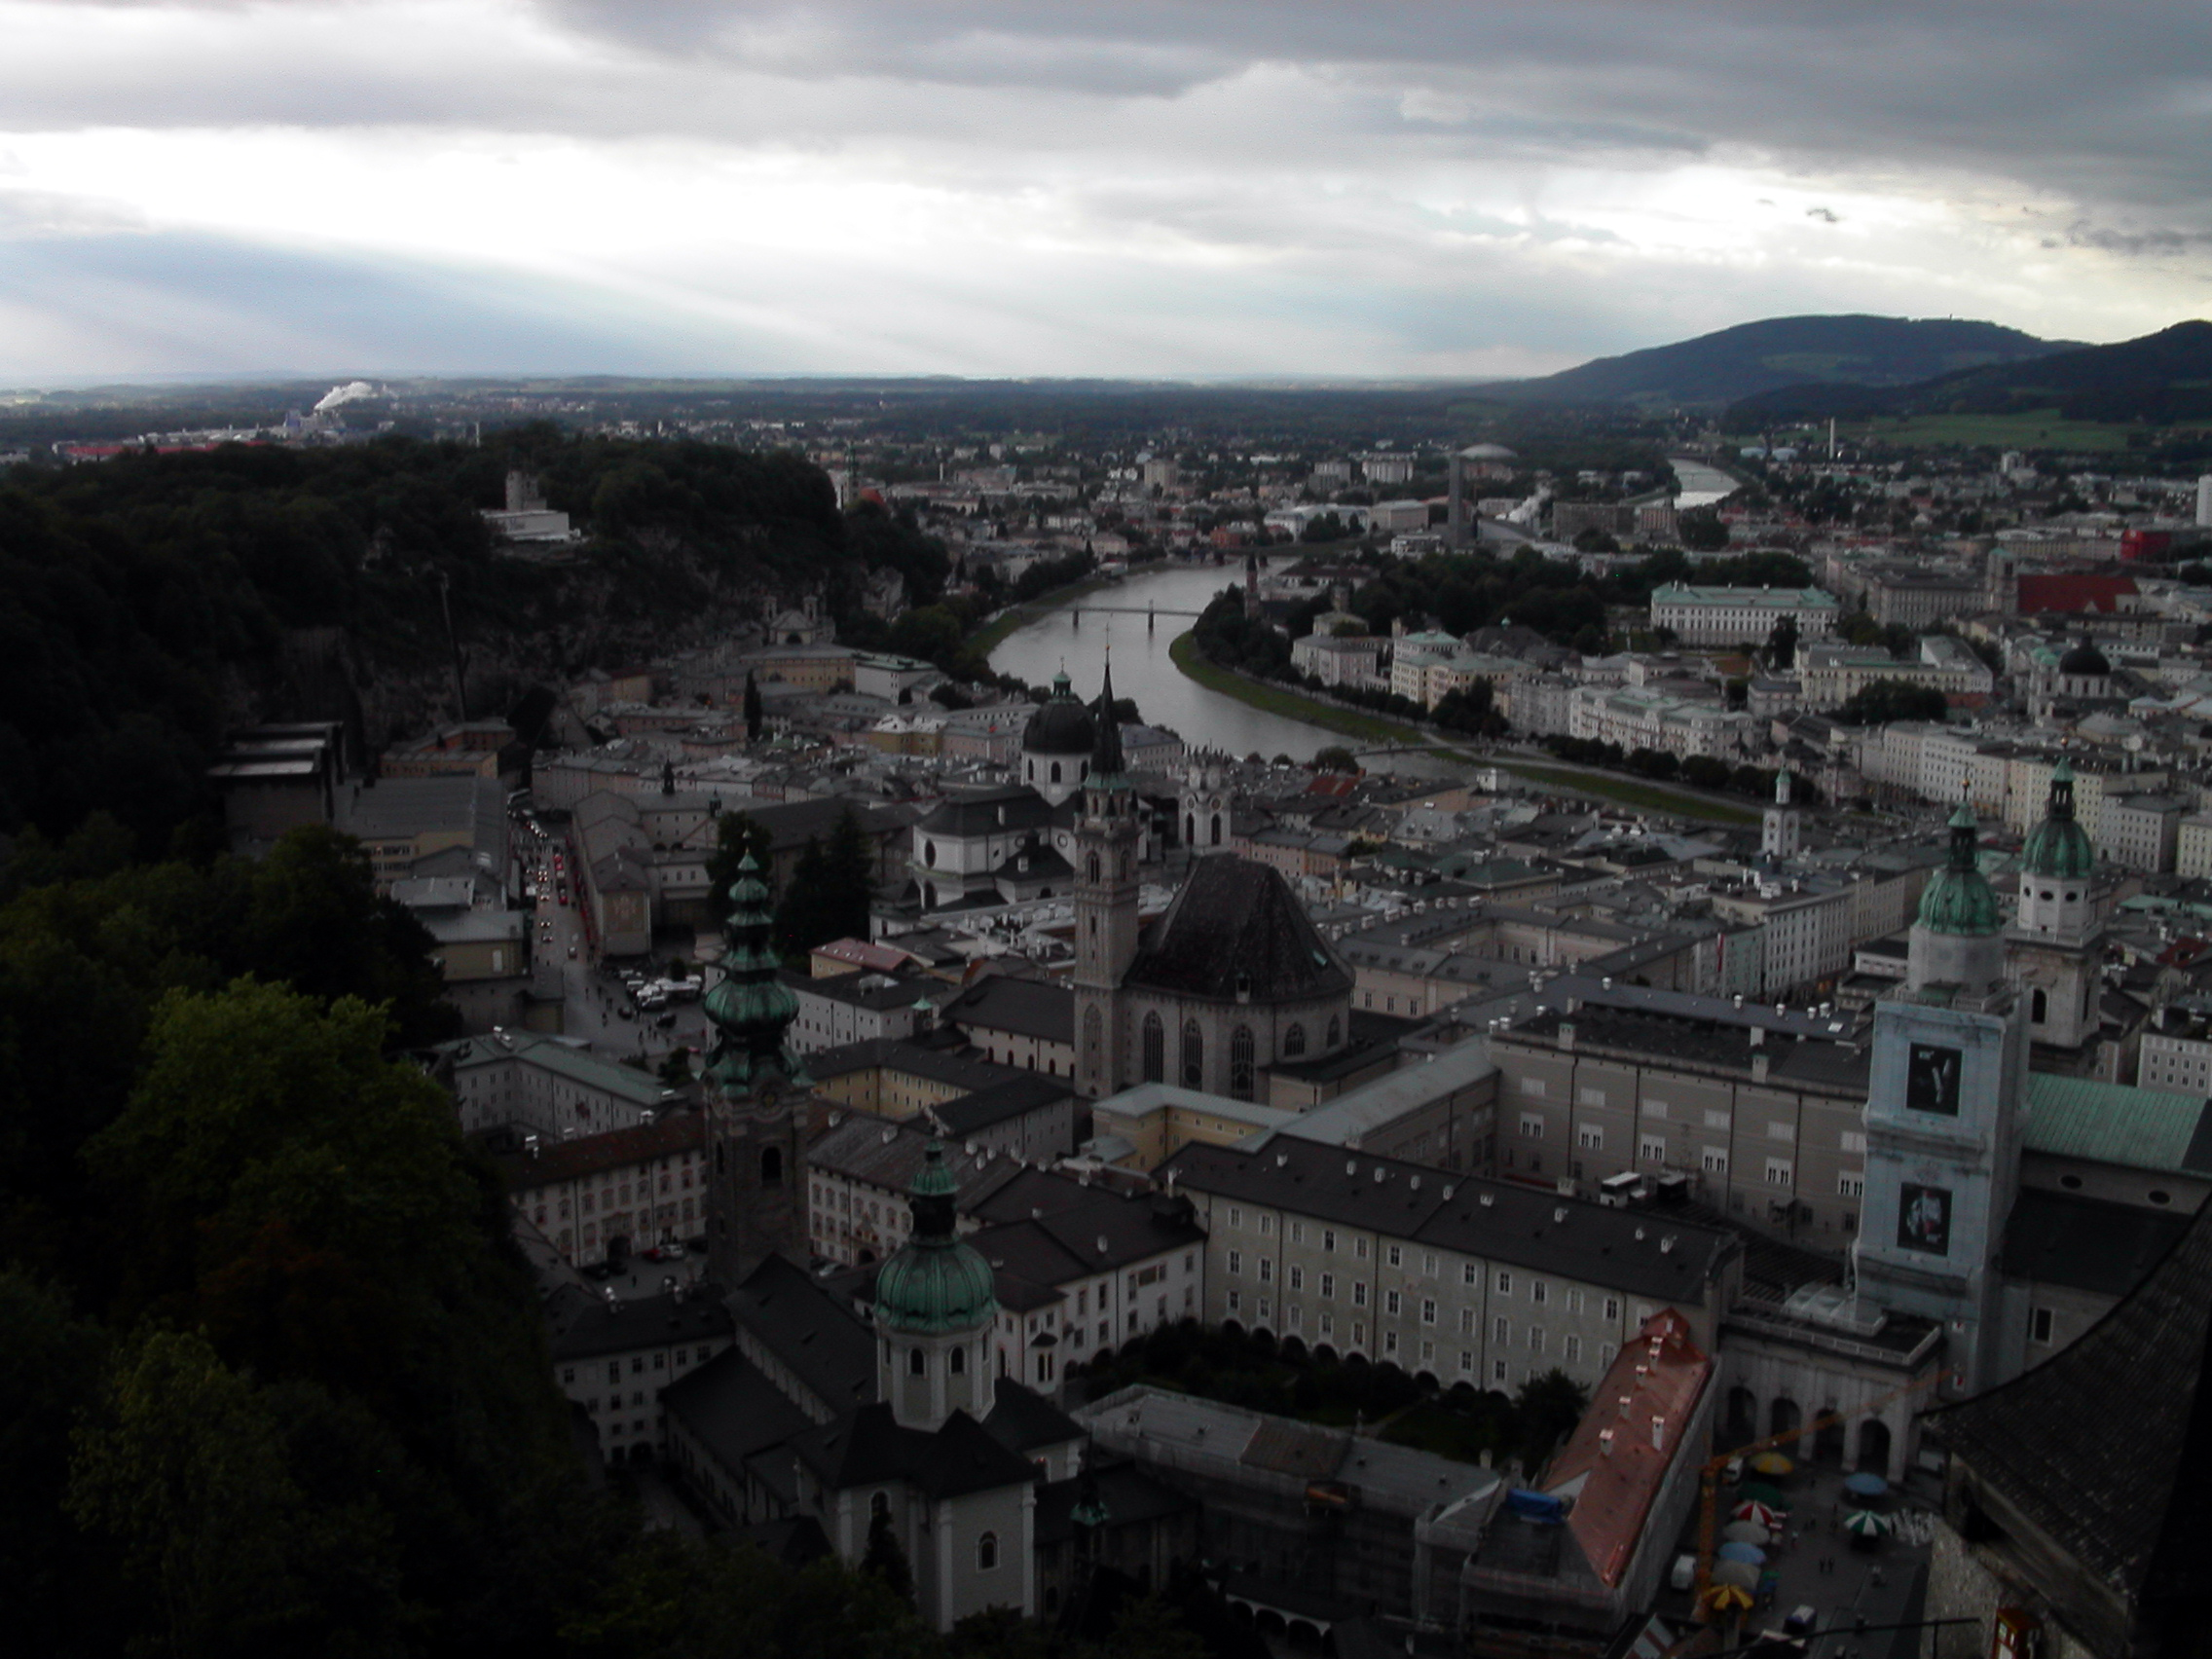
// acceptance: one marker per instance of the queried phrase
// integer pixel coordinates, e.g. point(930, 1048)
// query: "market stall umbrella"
point(1772, 1463)
point(1749, 1553)
point(1728, 1599)
point(1746, 1532)
point(1760, 1493)
point(1868, 1524)
point(1865, 1484)
point(1751, 1509)
point(1740, 1572)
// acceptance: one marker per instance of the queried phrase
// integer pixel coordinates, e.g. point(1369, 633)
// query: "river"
point(1702, 485)
point(1164, 696)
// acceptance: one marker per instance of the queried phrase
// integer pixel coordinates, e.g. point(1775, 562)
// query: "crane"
point(1709, 1479)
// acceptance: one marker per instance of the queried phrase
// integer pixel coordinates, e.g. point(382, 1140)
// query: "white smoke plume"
point(350, 392)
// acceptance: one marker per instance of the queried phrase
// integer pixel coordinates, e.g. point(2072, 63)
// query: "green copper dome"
point(933, 1285)
point(1959, 899)
point(2058, 846)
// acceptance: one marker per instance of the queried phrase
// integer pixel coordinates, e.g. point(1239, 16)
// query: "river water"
point(1702, 485)
point(1165, 698)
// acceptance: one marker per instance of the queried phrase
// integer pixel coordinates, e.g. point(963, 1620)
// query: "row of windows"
point(1572, 1298)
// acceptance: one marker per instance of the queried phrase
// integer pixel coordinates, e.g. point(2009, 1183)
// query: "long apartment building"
point(1459, 1278)
point(605, 1197)
point(544, 1085)
point(1832, 673)
point(1651, 719)
point(1762, 1111)
point(1738, 616)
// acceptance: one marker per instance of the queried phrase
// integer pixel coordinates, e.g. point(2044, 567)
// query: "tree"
point(831, 890)
point(1549, 1406)
point(1336, 759)
point(885, 1559)
point(1890, 700)
point(1899, 641)
point(1702, 529)
point(1782, 645)
point(755, 717)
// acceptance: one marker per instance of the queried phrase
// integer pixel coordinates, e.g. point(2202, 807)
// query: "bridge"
point(1151, 614)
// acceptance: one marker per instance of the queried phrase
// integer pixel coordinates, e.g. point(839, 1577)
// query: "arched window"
point(986, 1552)
point(1091, 864)
point(917, 1363)
point(2039, 1005)
point(959, 1362)
point(928, 851)
point(1055, 771)
point(1155, 1050)
point(1032, 771)
point(1333, 1031)
point(1294, 1041)
point(1241, 1063)
point(1193, 1056)
point(772, 1166)
point(879, 1505)
point(1190, 829)
point(1093, 1033)
point(1217, 829)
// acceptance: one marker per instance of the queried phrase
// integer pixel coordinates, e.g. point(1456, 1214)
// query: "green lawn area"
point(1291, 704)
point(1630, 792)
point(1448, 1432)
point(2034, 429)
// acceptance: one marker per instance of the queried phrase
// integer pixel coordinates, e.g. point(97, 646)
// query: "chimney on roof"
point(1566, 1035)
point(1758, 1066)
point(1604, 1443)
point(1658, 1433)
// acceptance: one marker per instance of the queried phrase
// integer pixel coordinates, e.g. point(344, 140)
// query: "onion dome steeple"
point(751, 1007)
point(1959, 899)
point(2058, 846)
point(934, 1284)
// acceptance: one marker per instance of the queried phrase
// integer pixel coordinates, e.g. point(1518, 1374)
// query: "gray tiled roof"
point(1234, 927)
point(2106, 1448)
point(1634, 1251)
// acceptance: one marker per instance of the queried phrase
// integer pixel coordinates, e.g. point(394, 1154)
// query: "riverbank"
point(994, 633)
point(1629, 792)
point(1291, 704)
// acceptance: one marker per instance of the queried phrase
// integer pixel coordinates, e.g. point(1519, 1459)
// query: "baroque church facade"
point(1231, 982)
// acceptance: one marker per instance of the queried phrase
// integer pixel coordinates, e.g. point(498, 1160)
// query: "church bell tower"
point(1105, 905)
point(1942, 1119)
point(759, 1112)
point(2055, 946)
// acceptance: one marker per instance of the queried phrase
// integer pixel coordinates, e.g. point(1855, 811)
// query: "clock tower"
point(1942, 1119)
point(1105, 905)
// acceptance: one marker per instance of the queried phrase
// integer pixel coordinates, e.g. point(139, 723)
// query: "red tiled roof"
point(1621, 1454)
point(2075, 593)
point(567, 1160)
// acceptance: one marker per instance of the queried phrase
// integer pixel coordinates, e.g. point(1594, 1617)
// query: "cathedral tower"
point(2056, 942)
point(758, 1109)
point(1942, 1119)
point(1105, 905)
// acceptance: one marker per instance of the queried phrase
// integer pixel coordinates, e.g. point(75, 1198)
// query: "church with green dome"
point(2055, 948)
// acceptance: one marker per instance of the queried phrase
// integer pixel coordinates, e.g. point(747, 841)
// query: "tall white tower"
point(1781, 827)
point(1105, 905)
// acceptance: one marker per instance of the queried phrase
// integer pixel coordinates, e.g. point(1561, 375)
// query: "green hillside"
point(1754, 357)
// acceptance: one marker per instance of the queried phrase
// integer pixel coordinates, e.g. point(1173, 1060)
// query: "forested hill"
point(2158, 378)
point(1782, 352)
point(146, 603)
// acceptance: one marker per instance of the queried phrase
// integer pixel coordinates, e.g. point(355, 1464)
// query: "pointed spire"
point(1106, 746)
point(749, 1005)
point(1965, 839)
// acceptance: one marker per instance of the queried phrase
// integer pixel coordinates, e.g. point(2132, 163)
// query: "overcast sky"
point(1063, 187)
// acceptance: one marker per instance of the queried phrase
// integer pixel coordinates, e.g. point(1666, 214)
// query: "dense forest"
point(272, 1372)
point(149, 601)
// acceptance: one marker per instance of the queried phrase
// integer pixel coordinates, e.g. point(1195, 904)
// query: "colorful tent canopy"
point(1772, 1463)
point(1751, 1509)
point(1866, 1524)
point(1746, 1533)
point(1728, 1599)
point(1749, 1554)
point(1741, 1572)
point(1758, 1491)
point(1865, 1484)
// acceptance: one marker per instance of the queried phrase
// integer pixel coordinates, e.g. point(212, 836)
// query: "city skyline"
point(1216, 191)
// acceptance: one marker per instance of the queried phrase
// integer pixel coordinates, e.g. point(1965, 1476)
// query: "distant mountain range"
point(2159, 379)
point(1787, 351)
